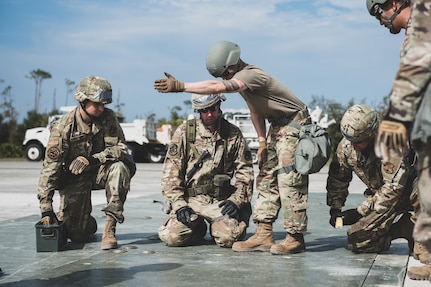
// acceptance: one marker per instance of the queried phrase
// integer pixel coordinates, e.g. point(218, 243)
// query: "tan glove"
point(80, 163)
point(262, 154)
point(391, 136)
point(168, 85)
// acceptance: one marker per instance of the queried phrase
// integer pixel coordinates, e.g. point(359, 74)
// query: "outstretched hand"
point(168, 85)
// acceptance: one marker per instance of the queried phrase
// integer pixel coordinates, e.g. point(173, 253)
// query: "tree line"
point(12, 133)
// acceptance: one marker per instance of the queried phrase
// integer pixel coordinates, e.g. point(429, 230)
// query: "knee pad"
point(174, 233)
point(226, 231)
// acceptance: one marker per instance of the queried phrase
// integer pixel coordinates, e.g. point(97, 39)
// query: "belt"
point(301, 117)
point(202, 189)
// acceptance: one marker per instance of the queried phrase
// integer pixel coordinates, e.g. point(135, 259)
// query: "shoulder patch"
point(389, 167)
point(53, 153)
point(173, 149)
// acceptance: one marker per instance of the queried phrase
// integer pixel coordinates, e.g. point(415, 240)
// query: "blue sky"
point(330, 48)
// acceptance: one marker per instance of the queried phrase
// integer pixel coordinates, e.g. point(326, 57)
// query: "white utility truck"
point(141, 138)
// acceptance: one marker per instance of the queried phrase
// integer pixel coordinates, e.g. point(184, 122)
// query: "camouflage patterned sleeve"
point(339, 178)
point(414, 73)
point(173, 172)
point(52, 166)
point(114, 140)
point(243, 168)
point(395, 176)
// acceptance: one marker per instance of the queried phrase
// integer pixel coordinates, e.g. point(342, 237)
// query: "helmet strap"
point(92, 118)
point(398, 11)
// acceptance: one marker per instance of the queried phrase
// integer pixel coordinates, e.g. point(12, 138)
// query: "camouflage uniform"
point(229, 155)
point(389, 193)
point(277, 189)
point(410, 103)
point(71, 137)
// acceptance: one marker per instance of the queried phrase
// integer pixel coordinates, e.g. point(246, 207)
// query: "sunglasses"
point(379, 13)
point(212, 109)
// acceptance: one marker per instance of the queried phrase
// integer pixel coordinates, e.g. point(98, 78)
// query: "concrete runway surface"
point(143, 260)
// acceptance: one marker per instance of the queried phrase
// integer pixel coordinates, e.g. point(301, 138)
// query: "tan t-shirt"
point(267, 95)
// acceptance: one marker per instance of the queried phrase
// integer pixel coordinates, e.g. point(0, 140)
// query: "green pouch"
point(222, 187)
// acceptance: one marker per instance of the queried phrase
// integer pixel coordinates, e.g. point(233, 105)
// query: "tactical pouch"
point(222, 187)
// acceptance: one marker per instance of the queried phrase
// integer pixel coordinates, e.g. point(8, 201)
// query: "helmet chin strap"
point(92, 118)
point(390, 19)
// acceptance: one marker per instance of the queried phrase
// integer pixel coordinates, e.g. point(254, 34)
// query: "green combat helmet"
point(220, 56)
point(359, 123)
point(371, 5)
point(95, 89)
point(200, 102)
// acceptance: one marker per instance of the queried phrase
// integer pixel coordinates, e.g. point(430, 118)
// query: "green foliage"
point(35, 119)
point(10, 150)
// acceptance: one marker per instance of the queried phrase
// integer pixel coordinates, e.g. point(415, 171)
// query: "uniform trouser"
point(223, 229)
point(372, 233)
point(285, 191)
point(75, 198)
point(422, 230)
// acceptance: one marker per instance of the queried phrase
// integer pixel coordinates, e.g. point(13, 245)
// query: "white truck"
point(242, 119)
point(140, 136)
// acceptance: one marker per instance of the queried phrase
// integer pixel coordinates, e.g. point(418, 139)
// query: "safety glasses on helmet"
point(379, 13)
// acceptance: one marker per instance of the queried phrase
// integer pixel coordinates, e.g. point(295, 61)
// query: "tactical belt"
point(299, 116)
point(202, 189)
point(211, 190)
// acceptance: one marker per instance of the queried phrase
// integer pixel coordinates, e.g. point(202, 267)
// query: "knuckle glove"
point(351, 216)
point(229, 208)
point(184, 214)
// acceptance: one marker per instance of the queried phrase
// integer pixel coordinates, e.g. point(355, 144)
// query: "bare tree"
point(68, 88)
point(38, 76)
point(6, 104)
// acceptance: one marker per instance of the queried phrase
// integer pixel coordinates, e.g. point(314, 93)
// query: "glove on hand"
point(184, 215)
point(335, 213)
point(168, 85)
point(229, 208)
point(391, 136)
point(49, 217)
point(351, 216)
point(262, 154)
point(80, 163)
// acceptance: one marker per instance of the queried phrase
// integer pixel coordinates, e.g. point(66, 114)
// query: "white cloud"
point(315, 47)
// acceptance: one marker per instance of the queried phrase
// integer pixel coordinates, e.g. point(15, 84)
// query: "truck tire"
point(254, 156)
point(136, 152)
point(34, 152)
point(155, 158)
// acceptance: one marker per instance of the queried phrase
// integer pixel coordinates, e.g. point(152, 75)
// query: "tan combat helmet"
point(200, 102)
point(95, 89)
point(359, 122)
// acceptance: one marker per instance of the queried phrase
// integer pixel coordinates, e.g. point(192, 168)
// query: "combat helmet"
point(371, 5)
point(200, 102)
point(359, 122)
point(221, 55)
point(95, 89)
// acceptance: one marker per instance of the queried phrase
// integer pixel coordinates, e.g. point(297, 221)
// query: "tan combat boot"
point(403, 228)
point(293, 243)
point(108, 238)
point(260, 241)
point(421, 253)
point(420, 272)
